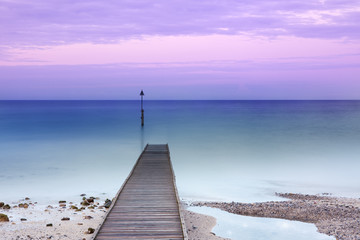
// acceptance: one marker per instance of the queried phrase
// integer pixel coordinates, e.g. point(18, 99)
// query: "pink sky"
point(222, 50)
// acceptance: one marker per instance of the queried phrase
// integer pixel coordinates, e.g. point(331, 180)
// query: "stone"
point(85, 203)
point(88, 217)
point(65, 219)
point(73, 207)
point(62, 204)
point(90, 231)
point(107, 203)
point(6, 206)
point(2, 204)
point(82, 195)
point(49, 225)
point(27, 199)
point(4, 218)
point(23, 219)
point(62, 201)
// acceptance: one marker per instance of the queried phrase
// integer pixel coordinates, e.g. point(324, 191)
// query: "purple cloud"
point(40, 22)
point(304, 78)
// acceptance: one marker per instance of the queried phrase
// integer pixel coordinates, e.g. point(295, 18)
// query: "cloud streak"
point(38, 22)
point(307, 78)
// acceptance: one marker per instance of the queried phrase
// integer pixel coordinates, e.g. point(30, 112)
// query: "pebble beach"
point(26, 219)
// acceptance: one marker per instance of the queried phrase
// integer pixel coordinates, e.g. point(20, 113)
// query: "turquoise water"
point(221, 150)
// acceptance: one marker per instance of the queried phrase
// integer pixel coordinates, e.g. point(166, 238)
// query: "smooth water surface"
point(221, 150)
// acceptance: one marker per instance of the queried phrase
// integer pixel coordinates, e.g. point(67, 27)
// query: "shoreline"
point(26, 219)
point(334, 216)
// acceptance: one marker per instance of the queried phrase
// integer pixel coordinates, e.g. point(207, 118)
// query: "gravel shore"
point(338, 217)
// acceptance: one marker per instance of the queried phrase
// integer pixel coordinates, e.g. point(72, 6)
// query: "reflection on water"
point(239, 227)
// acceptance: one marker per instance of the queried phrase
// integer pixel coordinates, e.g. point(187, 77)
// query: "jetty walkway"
point(147, 205)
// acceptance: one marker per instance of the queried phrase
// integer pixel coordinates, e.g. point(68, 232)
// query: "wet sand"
point(199, 226)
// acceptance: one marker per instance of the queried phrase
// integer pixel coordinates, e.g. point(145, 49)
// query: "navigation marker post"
point(142, 109)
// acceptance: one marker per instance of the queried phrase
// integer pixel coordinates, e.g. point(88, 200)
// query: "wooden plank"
point(147, 205)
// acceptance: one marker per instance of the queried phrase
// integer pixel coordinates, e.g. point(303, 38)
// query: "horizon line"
point(180, 100)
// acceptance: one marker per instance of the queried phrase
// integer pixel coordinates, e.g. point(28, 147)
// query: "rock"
point(3, 218)
point(82, 195)
point(74, 207)
point(6, 206)
point(23, 205)
point(107, 203)
point(23, 219)
point(27, 199)
point(62, 201)
point(62, 204)
point(88, 217)
point(91, 207)
point(49, 225)
point(90, 231)
point(2, 204)
point(85, 203)
point(90, 200)
point(65, 219)
point(80, 224)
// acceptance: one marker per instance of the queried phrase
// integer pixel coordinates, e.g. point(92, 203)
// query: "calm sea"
point(221, 150)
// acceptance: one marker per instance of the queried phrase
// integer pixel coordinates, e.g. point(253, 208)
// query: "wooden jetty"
point(147, 205)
